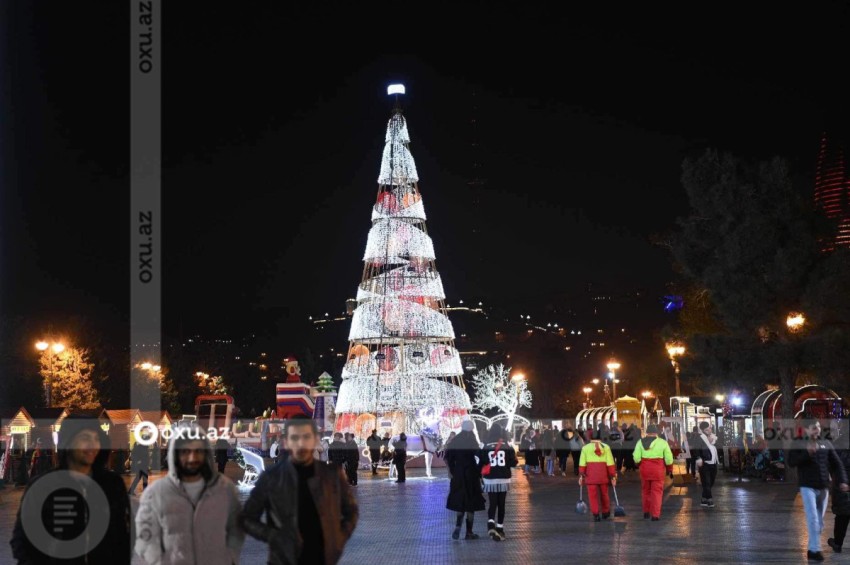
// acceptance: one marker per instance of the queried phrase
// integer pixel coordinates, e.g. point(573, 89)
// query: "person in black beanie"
point(81, 473)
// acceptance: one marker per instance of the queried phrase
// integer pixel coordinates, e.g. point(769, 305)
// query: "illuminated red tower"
point(832, 189)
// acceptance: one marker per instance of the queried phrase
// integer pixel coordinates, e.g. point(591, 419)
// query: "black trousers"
point(840, 529)
point(497, 501)
point(576, 457)
point(351, 472)
point(707, 474)
point(375, 456)
point(562, 459)
point(620, 458)
point(399, 467)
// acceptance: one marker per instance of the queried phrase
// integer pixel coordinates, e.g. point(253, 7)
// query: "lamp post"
point(675, 350)
point(587, 390)
point(50, 351)
point(613, 365)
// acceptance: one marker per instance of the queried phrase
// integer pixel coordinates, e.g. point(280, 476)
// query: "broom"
point(618, 510)
point(581, 505)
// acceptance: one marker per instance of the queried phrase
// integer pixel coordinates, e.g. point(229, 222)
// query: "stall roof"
point(7, 415)
point(120, 417)
point(49, 416)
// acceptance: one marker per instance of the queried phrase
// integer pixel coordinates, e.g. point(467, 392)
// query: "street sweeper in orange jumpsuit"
point(654, 458)
point(596, 469)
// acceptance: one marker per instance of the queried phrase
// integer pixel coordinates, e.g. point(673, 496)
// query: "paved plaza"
point(753, 522)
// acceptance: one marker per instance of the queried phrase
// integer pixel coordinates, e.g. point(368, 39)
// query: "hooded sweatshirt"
point(114, 546)
point(172, 529)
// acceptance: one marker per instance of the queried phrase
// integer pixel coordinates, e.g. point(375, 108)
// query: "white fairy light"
point(397, 164)
point(393, 317)
point(398, 238)
point(402, 362)
point(402, 282)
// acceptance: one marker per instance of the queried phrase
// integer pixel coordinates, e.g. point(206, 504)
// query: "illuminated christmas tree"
point(403, 371)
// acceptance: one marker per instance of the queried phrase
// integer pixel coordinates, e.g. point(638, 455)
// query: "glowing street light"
point(613, 365)
point(57, 348)
point(675, 350)
point(587, 390)
point(795, 321)
point(518, 377)
point(146, 366)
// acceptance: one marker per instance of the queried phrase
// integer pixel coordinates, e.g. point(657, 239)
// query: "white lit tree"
point(494, 388)
point(402, 364)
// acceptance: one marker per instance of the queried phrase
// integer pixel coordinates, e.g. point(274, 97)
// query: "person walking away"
point(336, 451)
point(622, 448)
point(705, 457)
point(141, 463)
point(816, 461)
point(41, 460)
point(191, 515)
point(576, 445)
point(525, 447)
point(615, 442)
point(498, 454)
point(352, 459)
point(547, 453)
point(400, 457)
point(561, 446)
point(840, 500)
point(465, 494)
point(303, 509)
point(596, 469)
point(653, 457)
point(373, 442)
point(221, 449)
point(82, 454)
point(630, 439)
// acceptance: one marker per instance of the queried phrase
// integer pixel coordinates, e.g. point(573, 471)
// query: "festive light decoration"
point(402, 367)
point(494, 388)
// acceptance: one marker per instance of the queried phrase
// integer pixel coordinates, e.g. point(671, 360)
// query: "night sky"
point(274, 120)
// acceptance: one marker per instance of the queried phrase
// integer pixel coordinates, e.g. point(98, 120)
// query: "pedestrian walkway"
point(754, 522)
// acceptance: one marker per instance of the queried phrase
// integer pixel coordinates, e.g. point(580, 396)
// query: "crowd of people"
point(304, 509)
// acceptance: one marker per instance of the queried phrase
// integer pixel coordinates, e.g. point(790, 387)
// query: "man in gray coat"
point(310, 510)
point(192, 515)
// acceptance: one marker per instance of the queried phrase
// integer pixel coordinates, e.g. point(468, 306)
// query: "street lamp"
point(587, 390)
point(795, 321)
point(55, 349)
point(613, 365)
point(675, 350)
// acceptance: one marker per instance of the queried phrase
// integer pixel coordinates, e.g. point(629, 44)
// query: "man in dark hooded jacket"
point(81, 481)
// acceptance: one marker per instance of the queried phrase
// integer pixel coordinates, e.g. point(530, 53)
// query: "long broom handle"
point(617, 500)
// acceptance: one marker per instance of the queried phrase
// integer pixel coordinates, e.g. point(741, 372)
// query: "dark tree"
point(750, 254)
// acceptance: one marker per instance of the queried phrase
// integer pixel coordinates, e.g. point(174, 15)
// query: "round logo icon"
point(75, 503)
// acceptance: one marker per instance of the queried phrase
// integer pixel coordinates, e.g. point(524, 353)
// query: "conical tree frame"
point(401, 343)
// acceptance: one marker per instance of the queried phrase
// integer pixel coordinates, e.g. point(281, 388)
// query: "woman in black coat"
point(465, 493)
point(840, 506)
